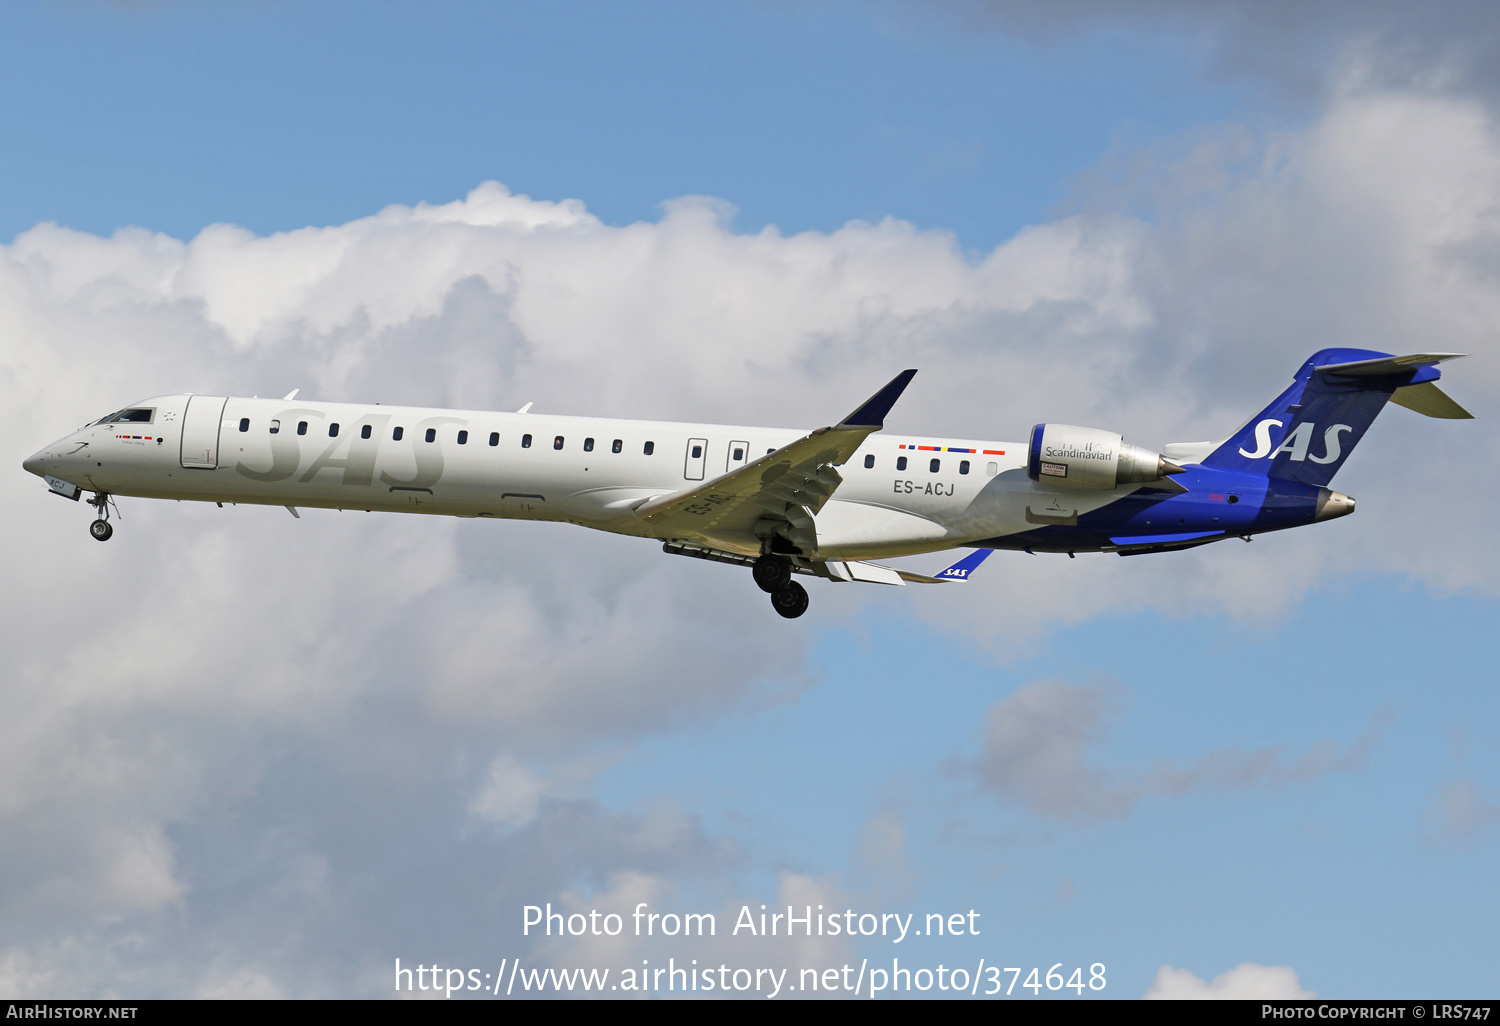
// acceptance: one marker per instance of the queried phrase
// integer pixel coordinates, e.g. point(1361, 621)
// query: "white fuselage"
point(583, 470)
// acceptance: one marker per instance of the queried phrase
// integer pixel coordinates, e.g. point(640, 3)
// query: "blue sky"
point(277, 115)
point(304, 749)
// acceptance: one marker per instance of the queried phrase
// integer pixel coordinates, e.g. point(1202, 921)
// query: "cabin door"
point(200, 431)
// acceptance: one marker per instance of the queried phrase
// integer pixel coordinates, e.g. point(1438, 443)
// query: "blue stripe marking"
point(1156, 539)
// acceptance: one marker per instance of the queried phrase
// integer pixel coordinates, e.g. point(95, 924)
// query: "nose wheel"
point(101, 529)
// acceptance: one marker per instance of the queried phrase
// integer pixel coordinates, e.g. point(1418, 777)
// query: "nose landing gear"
point(100, 529)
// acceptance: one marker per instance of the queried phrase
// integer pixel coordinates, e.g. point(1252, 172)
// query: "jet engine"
point(1080, 457)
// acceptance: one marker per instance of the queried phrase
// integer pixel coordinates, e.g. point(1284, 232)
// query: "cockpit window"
point(136, 416)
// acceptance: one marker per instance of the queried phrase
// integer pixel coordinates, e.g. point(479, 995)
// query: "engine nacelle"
point(1080, 457)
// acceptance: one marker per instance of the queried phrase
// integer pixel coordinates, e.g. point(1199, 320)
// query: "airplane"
point(782, 502)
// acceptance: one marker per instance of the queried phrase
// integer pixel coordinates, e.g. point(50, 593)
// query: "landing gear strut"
point(101, 529)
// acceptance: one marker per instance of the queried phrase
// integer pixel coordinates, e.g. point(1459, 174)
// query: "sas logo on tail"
point(1296, 444)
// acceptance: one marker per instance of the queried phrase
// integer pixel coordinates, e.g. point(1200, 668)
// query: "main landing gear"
point(773, 575)
point(100, 528)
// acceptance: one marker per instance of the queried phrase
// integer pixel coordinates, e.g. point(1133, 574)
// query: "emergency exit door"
point(697, 456)
point(737, 457)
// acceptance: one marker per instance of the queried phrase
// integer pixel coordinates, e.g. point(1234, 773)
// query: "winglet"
point(872, 413)
point(961, 570)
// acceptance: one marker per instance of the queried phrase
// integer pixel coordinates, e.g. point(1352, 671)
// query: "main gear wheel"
point(772, 573)
point(790, 600)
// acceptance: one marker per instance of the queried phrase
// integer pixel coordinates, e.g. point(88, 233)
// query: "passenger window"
point(963, 466)
point(463, 438)
point(301, 427)
point(900, 462)
point(869, 461)
point(526, 441)
point(494, 438)
point(396, 434)
point(333, 430)
point(557, 443)
point(650, 448)
point(697, 452)
point(275, 427)
point(432, 434)
point(588, 445)
point(739, 454)
point(616, 445)
point(364, 432)
point(933, 467)
point(244, 423)
point(992, 469)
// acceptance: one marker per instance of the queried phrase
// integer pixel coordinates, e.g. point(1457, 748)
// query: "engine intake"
point(1079, 457)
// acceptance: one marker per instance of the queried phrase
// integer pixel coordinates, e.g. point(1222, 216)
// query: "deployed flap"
point(1385, 365)
point(1430, 401)
point(873, 573)
point(791, 484)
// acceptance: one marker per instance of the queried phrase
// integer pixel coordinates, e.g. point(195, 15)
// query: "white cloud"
point(509, 794)
point(1038, 742)
point(210, 660)
point(1244, 982)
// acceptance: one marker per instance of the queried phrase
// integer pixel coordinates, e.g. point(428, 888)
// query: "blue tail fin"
point(1310, 429)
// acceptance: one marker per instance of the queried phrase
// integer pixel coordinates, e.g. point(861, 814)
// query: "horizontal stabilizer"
point(1385, 365)
point(1430, 401)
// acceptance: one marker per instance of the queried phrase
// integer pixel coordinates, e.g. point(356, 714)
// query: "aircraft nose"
point(36, 464)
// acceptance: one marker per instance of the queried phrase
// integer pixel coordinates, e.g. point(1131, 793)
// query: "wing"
point(779, 493)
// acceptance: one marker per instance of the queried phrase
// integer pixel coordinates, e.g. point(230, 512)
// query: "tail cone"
point(1332, 504)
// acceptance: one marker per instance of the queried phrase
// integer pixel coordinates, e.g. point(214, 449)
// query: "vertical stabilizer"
point(1310, 429)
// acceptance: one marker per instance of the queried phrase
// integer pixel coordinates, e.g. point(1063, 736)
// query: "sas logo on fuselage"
point(1295, 445)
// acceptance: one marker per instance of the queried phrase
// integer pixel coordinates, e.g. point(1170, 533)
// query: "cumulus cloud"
point(1247, 981)
point(724, 937)
point(1038, 744)
point(184, 706)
